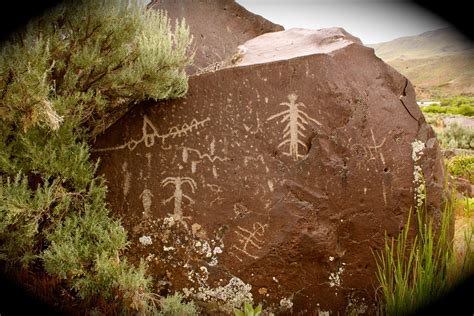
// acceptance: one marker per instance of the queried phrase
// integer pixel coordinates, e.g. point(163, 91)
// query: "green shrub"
point(64, 78)
point(462, 165)
point(434, 108)
point(452, 106)
point(457, 101)
point(455, 136)
point(466, 110)
point(174, 305)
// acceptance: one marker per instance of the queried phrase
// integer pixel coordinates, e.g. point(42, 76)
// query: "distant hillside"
point(439, 63)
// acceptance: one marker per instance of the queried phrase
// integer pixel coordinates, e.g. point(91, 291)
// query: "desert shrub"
point(174, 305)
point(434, 108)
point(453, 106)
point(455, 136)
point(466, 110)
point(462, 165)
point(457, 101)
point(64, 78)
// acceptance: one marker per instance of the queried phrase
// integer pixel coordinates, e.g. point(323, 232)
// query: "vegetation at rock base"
point(173, 305)
point(64, 78)
point(248, 310)
point(462, 165)
point(416, 271)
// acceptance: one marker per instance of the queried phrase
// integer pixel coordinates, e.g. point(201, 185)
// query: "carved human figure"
point(178, 195)
point(146, 196)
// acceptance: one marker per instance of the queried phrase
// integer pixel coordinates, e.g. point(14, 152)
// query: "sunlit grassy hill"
point(439, 63)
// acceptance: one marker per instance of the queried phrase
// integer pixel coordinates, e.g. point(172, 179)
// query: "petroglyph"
point(214, 188)
point(194, 166)
point(256, 159)
point(240, 211)
point(148, 156)
point(249, 241)
point(376, 147)
point(146, 201)
point(384, 193)
point(187, 151)
point(256, 130)
point(178, 195)
point(213, 146)
point(297, 119)
point(370, 153)
point(216, 200)
point(150, 134)
point(270, 185)
point(126, 179)
point(373, 155)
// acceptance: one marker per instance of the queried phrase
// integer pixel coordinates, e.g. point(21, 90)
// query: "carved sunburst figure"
point(297, 119)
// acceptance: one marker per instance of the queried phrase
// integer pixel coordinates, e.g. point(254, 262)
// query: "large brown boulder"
point(218, 28)
point(273, 180)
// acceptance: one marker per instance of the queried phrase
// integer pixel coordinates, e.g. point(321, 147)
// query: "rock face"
point(218, 28)
point(272, 180)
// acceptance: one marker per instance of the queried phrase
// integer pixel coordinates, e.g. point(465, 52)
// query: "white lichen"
point(233, 294)
point(145, 240)
point(168, 248)
point(217, 250)
point(286, 303)
point(204, 272)
point(213, 262)
point(169, 221)
point(417, 152)
point(150, 257)
point(417, 146)
point(335, 277)
point(356, 306)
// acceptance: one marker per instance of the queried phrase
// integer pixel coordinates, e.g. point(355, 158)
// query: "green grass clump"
point(415, 271)
point(64, 78)
point(461, 165)
point(248, 310)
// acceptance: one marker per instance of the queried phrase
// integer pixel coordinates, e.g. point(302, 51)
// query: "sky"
point(373, 21)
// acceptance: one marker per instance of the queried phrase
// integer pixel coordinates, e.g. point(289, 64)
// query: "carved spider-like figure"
point(297, 119)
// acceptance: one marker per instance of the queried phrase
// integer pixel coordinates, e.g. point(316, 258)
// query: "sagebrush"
point(64, 78)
